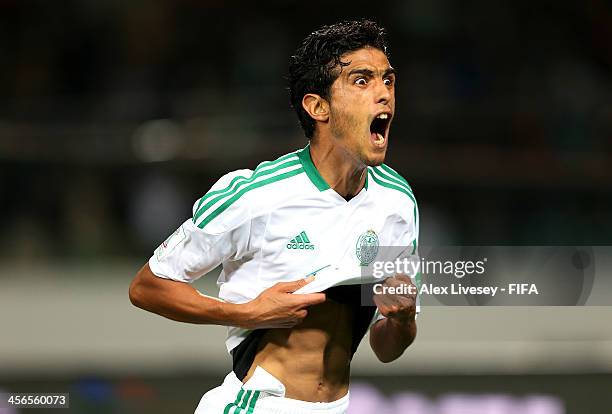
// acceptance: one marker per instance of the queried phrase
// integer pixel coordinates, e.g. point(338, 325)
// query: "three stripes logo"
point(300, 242)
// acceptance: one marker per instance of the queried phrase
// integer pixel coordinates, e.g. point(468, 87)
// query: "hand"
point(399, 307)
point(278, 307)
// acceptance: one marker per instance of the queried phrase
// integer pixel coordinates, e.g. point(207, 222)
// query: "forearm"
point(181, 302)
point(390, 337)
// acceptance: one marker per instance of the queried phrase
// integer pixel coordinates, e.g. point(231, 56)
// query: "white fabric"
point(252, 235)
point(263, 380)
point(270, 400)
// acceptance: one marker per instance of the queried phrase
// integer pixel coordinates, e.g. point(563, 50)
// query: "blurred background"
point(116, 116)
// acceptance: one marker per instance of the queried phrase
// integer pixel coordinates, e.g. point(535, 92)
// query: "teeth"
point(383, 116)
point(379, 138)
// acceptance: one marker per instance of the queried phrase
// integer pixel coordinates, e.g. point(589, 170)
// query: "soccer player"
point(320, 211)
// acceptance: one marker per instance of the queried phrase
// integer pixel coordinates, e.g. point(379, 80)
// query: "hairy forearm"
point(390, 337)
point(181, 302)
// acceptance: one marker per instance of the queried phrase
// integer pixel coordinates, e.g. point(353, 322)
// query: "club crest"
point(366, 248)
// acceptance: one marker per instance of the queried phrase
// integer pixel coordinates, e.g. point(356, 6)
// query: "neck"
point(344, 173)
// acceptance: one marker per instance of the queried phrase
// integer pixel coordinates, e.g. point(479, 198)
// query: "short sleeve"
point(408, 239)
point(195, 249)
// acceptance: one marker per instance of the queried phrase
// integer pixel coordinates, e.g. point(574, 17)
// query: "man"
point(311, 212)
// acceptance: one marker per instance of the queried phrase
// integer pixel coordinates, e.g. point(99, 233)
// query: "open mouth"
point(378, 129)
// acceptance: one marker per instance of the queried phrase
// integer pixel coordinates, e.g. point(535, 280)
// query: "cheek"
point(343, 119)
point(338, 121)
point(348, 98)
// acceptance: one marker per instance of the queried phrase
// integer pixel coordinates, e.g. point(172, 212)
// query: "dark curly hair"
point(313, 67)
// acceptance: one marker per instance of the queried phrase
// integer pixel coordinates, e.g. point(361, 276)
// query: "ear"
point(317, 107)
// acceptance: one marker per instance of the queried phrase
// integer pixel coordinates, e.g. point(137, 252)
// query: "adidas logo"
point(300, 242)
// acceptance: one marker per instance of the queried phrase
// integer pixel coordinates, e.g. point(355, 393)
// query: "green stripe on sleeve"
point(398, 188)
point(230, 405)
point(395, 174)
point(213, 200)
point(240, 193)
point(393, 179)
point(393, 186)
point(245, 401)
point(253, 402)
point(242, 177)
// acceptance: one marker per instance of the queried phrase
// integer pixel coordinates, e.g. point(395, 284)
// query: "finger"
point(309, 299)
point(378, 301)
point(400, 300)
point(383, 303)
point(400, 288)
point(391, 312)
point(299, 320)
point(291, 287)
point(387, 301)
point(402, 306)
point(279, 325)
point(398, 281)
point(403, 278)
point(289, 323)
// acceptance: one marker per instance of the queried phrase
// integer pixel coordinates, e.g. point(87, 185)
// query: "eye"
point(388, 81)
point(361, 81)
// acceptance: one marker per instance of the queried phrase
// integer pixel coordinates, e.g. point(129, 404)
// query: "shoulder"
point(392, 187)
point(391, 182)
point(236, 195)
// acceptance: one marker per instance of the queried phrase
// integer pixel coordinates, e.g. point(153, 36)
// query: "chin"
point(375, 159)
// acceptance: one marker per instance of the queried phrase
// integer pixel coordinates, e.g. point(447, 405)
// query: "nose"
point(383, 93)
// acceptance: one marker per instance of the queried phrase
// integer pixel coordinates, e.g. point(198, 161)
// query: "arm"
point(179, 301)
point(389, 337)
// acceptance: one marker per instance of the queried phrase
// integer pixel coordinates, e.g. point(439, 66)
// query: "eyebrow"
point(370, 73)
point(389, 71)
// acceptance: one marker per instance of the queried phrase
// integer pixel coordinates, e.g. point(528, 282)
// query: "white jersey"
point(282, 222)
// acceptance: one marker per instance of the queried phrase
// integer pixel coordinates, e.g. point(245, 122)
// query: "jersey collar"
point(312, 172)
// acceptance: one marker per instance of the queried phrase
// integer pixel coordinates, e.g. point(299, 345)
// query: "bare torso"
point(312, 359)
